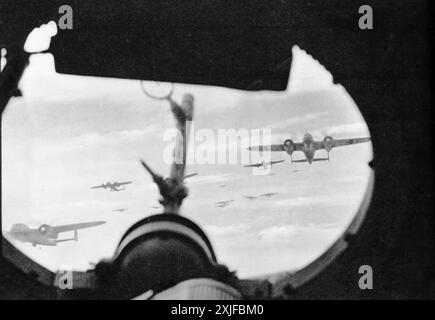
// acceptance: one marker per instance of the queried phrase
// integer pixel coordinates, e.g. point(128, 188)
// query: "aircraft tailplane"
point(64, 240)
point(314, 160)
point(301, 160)
point(75, 238)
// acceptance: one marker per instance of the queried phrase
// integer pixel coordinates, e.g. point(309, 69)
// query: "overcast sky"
point(70, 132)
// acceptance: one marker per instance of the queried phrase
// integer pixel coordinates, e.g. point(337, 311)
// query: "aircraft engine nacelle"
point(328, 143)
point(47, 230)
point(289, 146)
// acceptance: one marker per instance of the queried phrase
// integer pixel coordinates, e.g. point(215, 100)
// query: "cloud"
point(114, 137)
point(218, 231)
point(93, 140)
point(93, 203)
point(211, 178)
point(285, 124)
point(289, 232)
point(278, 232)
point(347, 130)
point(316, 200)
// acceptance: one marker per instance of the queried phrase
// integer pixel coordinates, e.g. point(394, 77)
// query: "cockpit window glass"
point(72, 182)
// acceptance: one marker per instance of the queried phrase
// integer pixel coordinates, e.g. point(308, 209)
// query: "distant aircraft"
point(47, 235)
point(155, 207)
point(269, 194)
point(250, 197)
point(264, 164)
point(120, 210)
point(222, 185)
point(309, 147)
point(190, 175)
point(186, 176)
point(222, 204)
point(114, 186)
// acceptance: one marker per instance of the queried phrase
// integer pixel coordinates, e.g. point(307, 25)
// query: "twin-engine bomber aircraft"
point(114, 186)
point(47, 235)
point(222, 204)
point(250, 197)
point(309, 147)
point(268, 194)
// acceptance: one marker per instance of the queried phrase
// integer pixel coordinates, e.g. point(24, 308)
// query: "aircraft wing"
point(122, 183)
point(252, 165)
point(314, 160)
point(278, 161)
point(64, 240)
point(190, 175)
point(224, 202)
point(275, 147)
point(96, 187)
point(77, 226)
point(260, 164)
point(346, 142)
point(343, 142)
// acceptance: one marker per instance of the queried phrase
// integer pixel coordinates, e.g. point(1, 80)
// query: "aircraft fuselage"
point(34, 237)
point(308, 147)
point(266, 164)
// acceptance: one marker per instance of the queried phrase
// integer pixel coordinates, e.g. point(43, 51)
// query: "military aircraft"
point(47, 235)
point(309, 146)
point(268, 194)
point(114, 186)
point(222, 204)
point(264, 164)
point(190, 175)
point(120, 210)
point(250, 197)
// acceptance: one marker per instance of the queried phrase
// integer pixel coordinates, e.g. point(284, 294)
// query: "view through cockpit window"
point(72, 182)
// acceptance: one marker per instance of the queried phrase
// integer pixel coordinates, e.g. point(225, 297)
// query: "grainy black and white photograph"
point(206, 150)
